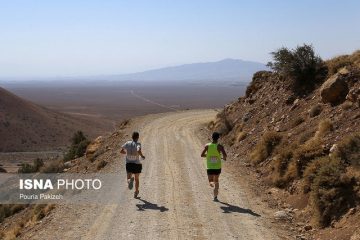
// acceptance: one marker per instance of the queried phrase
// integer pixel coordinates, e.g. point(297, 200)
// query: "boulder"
point(282, 215)
point(93, 147)
point(334, 90)
point(353, 96)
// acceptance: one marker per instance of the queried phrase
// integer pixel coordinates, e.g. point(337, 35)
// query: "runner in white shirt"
point(132, 149)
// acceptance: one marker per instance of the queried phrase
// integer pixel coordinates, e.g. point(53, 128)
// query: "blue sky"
point(44, 38)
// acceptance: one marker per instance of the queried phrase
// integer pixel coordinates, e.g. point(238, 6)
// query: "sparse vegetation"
point(265, 147)
point(339, 62)
point(101, 164)
point(241, 136)
point(315, 110)
point(56, 166)
point(297, 121)
point(332, 191)
point(78, 146)
point(347, 105)
point(255, 84)
point(7, 210)
point(325, 126)
point(301, 66)
point(349, 150)
point(31, 168)
point(281, 163)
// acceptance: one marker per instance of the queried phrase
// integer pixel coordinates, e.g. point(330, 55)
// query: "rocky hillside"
point(304, 145)
point(25, 126)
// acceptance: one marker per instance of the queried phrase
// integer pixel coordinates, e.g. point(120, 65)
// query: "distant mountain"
point(227, 69)
point(25, 126)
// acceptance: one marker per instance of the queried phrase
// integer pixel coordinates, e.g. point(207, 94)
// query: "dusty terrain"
point(175, 199)
point(25, 126)
point(122, 100)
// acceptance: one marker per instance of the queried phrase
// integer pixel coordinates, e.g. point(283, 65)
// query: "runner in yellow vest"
point(213, 152)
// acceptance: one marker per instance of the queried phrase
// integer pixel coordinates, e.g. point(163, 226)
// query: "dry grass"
point(349, 150)
point(7, 210)
point(241, 136)
point(297, 121)
point(315, 110)
point(325, 127)
point(13, 233)
point(101, 164)
point(41, 210)
point(53, 167)
point(332, 191)
point(265, 147)
point(347, 105)
point(305, 153)
point(335, 64)
point(284, 156)
point(32, 216)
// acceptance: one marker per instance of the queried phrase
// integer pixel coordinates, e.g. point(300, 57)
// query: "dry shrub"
point(315, 110)
point(335, 64)
point(241, 136)
point(13, 233)
point(349, 150)
point(297, 121)
point(53, 167)
point(306, 136)
point(101, 164)
point(7, 210)
point(332, 191)
point(265, 147)
point(347, 105)
point(306, 153)
point(41, 210)
point(325, 126)
point(281, 163)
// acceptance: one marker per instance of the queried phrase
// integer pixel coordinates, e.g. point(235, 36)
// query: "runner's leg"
point(216, 182)
point(137, 181)
point(129, 176)
point(211, 180)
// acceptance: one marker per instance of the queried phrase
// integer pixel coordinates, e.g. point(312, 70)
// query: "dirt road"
point(176, 201)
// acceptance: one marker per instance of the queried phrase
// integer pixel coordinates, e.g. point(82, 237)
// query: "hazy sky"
point(84, 37)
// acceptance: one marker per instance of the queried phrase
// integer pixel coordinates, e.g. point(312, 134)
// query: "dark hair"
point(135, 136)
point(215, 136)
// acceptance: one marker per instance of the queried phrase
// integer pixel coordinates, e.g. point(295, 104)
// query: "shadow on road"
point(228, 208)
point(148, 205)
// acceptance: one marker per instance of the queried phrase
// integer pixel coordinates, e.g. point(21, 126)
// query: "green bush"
point(78, 146)
point(31, 168)
point(301, 66)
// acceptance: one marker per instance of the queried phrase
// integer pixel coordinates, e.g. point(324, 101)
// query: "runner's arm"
point(122, 151)
point(141, 154)
point(222, 150)
point(203, 154)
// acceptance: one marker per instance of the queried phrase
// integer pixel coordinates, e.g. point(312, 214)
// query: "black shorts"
point(213, 171)
point(133, 168)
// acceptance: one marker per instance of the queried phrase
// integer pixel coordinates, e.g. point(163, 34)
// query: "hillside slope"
point(25, 126)
point(304, 148)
